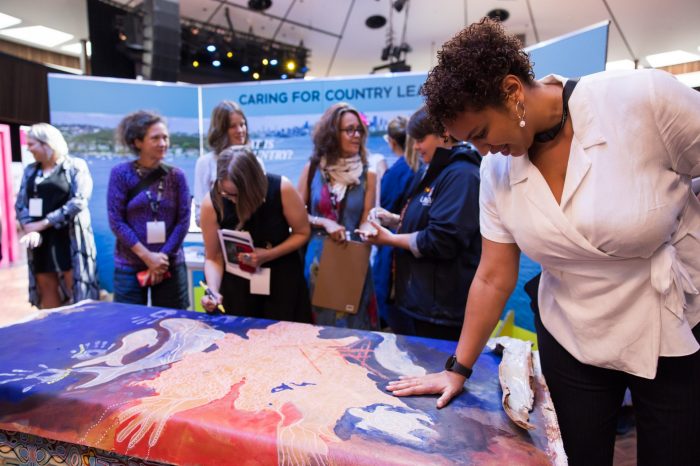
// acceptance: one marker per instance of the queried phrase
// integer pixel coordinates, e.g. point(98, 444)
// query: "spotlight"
point(375, 21)
point(256, 75)
point(122, 36)
point(498, 14)
point(291, 66)
point(195, 64)
point(211, 48)
point(216, 63)
point(265, 61)
point(245, 68)
point(284, 76)
point(194, 30)
point(399, 4)
point(229, 55)
point(273, 62)
point(259, 5)
point(304, 69)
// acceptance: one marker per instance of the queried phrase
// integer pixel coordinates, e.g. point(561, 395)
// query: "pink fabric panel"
point(10, 252)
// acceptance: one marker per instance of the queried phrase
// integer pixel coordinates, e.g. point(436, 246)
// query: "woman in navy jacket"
point(438, 243)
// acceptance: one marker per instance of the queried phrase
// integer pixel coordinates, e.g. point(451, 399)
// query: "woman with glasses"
point(228, 126)
point(339, 191)
point(52, 209)
point(271, 210)
point(149, 213)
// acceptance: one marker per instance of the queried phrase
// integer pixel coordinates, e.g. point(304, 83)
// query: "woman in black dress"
point(52, 209)
point(271, 210)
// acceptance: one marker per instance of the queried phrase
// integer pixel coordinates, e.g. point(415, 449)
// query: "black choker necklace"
point(551, 133)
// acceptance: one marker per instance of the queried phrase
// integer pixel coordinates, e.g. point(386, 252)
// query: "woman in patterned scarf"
point(339, 191)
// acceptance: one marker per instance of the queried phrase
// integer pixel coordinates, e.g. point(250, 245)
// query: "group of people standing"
point(335, 200)
point(425, 224)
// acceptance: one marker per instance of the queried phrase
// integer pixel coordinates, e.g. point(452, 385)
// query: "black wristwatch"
point(453, 365)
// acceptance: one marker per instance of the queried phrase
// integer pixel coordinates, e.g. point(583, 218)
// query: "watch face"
point(450, 362)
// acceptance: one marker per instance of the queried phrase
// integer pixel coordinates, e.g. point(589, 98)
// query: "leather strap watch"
point(453, 365)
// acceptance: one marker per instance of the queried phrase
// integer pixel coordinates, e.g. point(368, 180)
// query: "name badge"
point(36, 207)
point(155, 232)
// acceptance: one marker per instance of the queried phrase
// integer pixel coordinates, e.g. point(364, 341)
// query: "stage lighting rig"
point(224, 55)
point(395, 54)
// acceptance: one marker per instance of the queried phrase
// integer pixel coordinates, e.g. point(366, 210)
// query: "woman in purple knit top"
point(149, 219)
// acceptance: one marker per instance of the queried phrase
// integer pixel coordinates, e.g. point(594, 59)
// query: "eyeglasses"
point(229, 196)
point(352, 130)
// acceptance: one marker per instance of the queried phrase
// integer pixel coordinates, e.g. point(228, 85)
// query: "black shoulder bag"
point(147, 181)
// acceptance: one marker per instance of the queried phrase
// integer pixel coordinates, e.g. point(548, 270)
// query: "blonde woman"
point(52, 209)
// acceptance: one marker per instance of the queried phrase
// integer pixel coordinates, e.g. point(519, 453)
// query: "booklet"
point(233, 243)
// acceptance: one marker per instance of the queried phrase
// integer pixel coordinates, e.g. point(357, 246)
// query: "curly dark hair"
point(470, 69)
point(135, 126)
point(326, 134)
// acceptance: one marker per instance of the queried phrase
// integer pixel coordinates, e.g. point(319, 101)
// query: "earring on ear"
point(520, 116)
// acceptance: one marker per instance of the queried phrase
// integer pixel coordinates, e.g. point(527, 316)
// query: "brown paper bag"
point(341, 275)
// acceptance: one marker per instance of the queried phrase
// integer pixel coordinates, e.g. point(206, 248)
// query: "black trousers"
point(587, 400)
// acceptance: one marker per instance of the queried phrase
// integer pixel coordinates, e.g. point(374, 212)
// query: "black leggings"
point(587, 400)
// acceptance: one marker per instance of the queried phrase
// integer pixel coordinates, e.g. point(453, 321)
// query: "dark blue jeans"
point(171, 293)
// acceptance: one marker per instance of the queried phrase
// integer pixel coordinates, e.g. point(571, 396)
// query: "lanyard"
point(154, 203)
point(39, 177)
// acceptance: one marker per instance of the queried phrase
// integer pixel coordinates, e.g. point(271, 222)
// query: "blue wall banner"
point(575, 54)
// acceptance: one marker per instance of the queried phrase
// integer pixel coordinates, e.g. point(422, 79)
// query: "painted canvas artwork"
point(179, 387)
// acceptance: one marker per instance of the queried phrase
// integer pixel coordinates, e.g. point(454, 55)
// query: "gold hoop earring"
point(520, 116)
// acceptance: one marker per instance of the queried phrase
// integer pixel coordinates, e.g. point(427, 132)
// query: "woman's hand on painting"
point(31, 240)
point(446, 384)
point(335, 231)
point(211, 300)
point(255, 258)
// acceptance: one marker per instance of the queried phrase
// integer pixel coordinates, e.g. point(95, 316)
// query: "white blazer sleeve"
point(677, 112)
point(489, 220)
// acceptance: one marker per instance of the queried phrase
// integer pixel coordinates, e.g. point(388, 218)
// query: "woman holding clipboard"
point(245, 199)
point(339, 189)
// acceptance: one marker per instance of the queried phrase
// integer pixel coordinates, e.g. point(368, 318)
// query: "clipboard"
point(341, 276)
